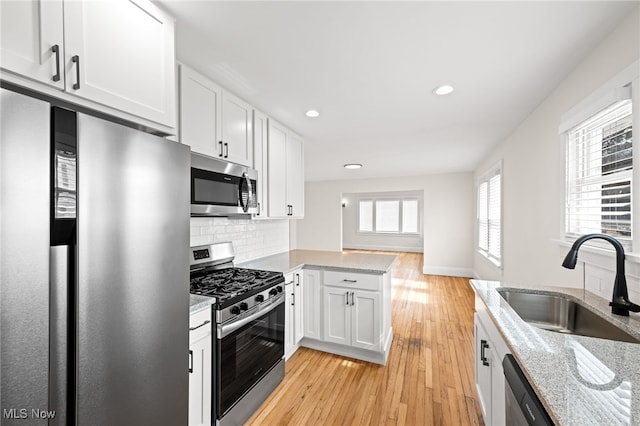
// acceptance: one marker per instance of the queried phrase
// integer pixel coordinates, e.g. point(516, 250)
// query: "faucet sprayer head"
point(571, 259)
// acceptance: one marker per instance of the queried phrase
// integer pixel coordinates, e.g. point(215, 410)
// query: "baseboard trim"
point(451, 271)
point(383, 248)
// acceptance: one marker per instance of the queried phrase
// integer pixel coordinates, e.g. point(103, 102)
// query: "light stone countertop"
point(197, 303)
point(372, 263)
point(580, 380)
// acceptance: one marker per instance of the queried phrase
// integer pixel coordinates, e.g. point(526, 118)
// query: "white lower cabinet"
point(200, 351)
point(490, 349)
point(311, 304)
point(289, 320)
point(293, 312)
point(352, 317)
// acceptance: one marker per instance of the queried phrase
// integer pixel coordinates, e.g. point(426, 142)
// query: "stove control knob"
point(235, 310)
point(260, 298)
point(273, 292)
point(279, 288)
point(244, 306)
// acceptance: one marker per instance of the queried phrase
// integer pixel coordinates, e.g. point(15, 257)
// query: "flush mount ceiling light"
point(312, 113)
point(443, 90)
point(352, 166)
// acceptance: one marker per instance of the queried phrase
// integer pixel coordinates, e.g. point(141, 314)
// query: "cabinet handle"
point(56, 49)
point(293, 299)
point(76, 60)
point(483, 345)
point(259, 209)
point(190, 361)
point(197, 327)
point(226, 150)
point(353, 301)
point(347, 294)
point(220, 145)
point(297, 280)
point(349, 281)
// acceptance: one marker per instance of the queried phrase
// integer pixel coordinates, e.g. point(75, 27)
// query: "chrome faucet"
point(620, 304)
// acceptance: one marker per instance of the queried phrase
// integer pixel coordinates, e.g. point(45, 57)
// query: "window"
point(490, 214)
point(388, 216)
point(599, 167)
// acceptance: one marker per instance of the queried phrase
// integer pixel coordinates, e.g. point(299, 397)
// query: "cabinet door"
point(365, 319)
point(295, 175)
point(237, 134)
point(200, 113)
point(289, 318)
point(311, 304)
point(125, 56)
point(277, 151)
point(200, 381)
point(260, 161)
point(299, 291)
point(483, 370)
point(337, 315)
point(29, 31)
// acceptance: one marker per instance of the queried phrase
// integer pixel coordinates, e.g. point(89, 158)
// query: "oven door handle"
point(225, 329)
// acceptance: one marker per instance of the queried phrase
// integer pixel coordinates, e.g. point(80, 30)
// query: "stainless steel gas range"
point(248, 346)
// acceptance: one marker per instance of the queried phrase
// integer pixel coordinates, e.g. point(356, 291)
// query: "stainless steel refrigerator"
point(94, 297)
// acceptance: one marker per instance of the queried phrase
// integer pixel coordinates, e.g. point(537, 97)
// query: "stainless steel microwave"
point(220, 188)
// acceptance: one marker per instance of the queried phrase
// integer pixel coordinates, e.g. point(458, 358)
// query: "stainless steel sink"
point(559, 313)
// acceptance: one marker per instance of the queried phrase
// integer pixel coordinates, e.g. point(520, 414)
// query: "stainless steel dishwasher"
point(521, 402)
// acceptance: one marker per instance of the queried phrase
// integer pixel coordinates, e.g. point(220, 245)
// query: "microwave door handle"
point(247, 181)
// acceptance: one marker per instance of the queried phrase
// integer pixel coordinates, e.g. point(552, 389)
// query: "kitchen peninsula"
point(338, 302)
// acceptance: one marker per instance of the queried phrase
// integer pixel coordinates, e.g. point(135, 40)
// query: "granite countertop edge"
point(550, 361)
point(198, 303)
point(372, 263)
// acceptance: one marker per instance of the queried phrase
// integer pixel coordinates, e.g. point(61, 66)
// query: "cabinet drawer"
point(199, 324)
point(353, 280)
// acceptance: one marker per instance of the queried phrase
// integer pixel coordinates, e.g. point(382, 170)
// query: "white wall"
point(251, 238)
point(448, 217)
point(353, 239)
point(533, 176)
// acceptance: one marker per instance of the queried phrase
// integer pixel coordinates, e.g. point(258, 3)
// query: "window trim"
point(490, 173)
point(597, 252)
point(400, 200)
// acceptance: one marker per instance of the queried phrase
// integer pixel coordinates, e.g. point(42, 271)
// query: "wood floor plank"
point(428, 379)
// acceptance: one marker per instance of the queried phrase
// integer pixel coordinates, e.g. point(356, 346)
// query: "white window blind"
point(490, 215)
point(410, 216)
point(599, 167)
point(387, 216)
point(365, 220)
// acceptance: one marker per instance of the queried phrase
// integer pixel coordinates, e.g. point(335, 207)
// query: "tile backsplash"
point(251, 238)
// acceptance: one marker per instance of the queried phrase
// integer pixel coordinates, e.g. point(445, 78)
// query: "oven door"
point(246, 350)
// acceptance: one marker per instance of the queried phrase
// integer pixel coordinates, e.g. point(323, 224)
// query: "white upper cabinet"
point(31, 40)
point(117, 54)
point(285, 173)
point(200, 112)
point(277, 172)
point(121, 53)
point(214, 121)
point(295, 175)
point(237, 134)
point(260, 161)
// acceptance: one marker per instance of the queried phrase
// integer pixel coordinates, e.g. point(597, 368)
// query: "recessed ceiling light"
point(312, 113)
point(352, 166)
point(443, 90)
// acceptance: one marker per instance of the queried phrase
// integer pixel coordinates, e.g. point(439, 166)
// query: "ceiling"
point(370, 68)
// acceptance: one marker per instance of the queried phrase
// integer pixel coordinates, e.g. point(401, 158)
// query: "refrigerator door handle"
point(58, 332)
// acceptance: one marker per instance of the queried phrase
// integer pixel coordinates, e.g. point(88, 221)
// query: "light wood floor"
point(428, 379)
